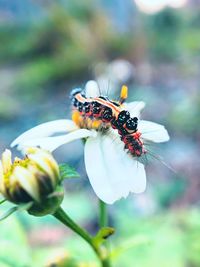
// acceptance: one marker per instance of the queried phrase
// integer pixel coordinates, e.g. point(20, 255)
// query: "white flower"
point(113, 173)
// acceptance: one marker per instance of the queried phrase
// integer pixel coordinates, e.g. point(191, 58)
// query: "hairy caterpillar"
point(113, 114)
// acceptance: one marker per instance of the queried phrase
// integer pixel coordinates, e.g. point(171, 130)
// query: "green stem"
point(103, 222)
point(105, 263)
point(103, 218)
point(66, 220)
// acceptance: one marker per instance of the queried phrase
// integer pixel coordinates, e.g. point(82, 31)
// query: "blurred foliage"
point(71, 38)
point(166, 194)
point(173, 34)
point(67, 43)
point(63, 47)
point(185, 115)
point(171, 238)
point(11, 234)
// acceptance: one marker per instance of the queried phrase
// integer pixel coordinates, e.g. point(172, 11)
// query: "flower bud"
point(34, 179)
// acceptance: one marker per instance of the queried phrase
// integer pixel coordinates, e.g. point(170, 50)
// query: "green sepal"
point(20, 207)
point(103, 234)
point(49, 204)
point(67, 172)
point(8, 213)
point(2, 201)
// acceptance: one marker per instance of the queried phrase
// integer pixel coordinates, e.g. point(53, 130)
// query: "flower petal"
point(2, 186)
point(135, 108)
point(45, 129)
point(47, 164)
point(92, 89)
point(27, 181)
point(114, 173)
point(153, 131)
point(52, 143)
point(6, 160)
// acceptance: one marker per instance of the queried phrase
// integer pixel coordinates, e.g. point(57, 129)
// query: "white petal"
point(52, 143)
point(47, 164)
point(135, 108)
point(45, 129)
point(153, 131)
point(1, 170)
point(111, 171)
point(27, 181)
point(6, 160)
point(2, 187)
point(92, 89)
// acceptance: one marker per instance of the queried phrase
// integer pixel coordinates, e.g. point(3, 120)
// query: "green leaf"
point(2, 201)
point(130, 243)
point(67, 172)
point(102, 235)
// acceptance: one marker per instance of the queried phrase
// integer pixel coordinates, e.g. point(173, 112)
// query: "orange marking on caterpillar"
point(106, 113)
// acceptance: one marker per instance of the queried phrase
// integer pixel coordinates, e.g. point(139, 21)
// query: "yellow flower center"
point(87, 123)
point(18, 162)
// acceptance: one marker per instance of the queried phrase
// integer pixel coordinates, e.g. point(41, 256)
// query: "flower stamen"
point(124, 94)
point(86, 122)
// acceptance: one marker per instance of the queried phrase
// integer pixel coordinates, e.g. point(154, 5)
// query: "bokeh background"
point(49, 47)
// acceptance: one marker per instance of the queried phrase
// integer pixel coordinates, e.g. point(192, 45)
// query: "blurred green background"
point(49, 47)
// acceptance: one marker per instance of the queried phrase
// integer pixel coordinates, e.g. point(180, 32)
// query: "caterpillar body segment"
point(110, 113)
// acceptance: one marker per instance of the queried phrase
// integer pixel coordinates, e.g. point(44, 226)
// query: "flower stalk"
point(67, 221)
point(103, 222)
point(103, 218)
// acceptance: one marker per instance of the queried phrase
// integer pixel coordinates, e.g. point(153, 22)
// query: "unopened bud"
point(34, 179)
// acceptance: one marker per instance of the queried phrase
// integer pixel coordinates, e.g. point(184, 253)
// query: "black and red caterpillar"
point(112, 113)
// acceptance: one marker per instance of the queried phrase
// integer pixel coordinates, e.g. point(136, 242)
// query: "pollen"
point(124, 93)
point(86, 123)
point(76, 117)
point(96, 124)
